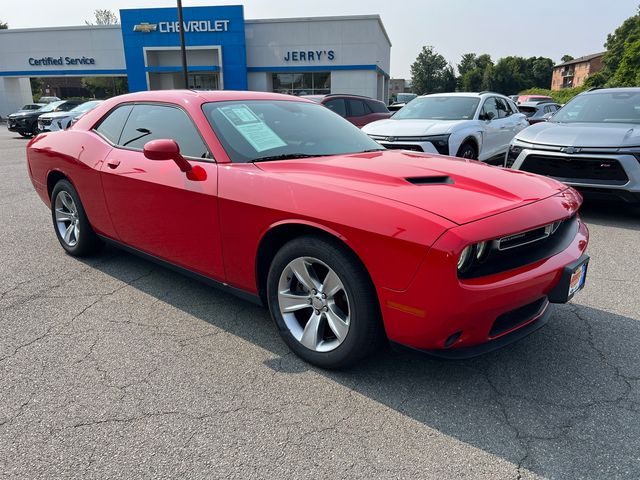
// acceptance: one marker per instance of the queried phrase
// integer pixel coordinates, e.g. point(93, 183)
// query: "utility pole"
point(183, 50)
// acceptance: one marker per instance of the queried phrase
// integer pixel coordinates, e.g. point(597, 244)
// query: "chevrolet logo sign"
point(145, 27)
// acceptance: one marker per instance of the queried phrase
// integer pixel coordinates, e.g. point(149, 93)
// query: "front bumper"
point(440, 312)
point(406, 143)
point(605, 174)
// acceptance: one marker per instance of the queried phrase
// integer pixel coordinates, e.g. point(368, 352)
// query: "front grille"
point(530, 236)
point(576, 168)
point(510, 320)
point(398, 146)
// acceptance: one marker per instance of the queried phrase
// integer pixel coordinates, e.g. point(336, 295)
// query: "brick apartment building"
point(574, 72)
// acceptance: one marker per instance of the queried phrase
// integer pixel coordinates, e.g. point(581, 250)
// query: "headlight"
point(512, 155)
point(473, 254)
point(482, 251)
point(466, 258)
point(441, 142)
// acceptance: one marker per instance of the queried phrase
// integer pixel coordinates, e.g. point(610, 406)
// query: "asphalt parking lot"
point(116, 367)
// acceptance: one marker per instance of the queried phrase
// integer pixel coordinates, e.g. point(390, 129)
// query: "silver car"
point(592, 143)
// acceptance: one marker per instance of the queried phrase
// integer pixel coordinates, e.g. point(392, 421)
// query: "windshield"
point(439, 108)
point(85, 107)
point(50, 107)
point(255, 130)
point(609, 107)
point(528, 111)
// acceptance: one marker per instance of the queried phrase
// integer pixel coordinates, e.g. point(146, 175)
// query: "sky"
point(548, 28)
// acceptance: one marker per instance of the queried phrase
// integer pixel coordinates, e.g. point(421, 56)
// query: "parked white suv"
point(468, 125)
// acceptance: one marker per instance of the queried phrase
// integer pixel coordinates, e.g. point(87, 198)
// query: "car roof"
point(465, 94)
point(612, 90)
point(179, 96)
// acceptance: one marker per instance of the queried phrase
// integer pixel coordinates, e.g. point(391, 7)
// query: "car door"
point(492, 136)
point(516, 121)
point(155, 207)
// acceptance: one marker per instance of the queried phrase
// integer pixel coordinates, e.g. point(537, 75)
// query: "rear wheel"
point(467, 150)
point(70, 222)
point(323, 303)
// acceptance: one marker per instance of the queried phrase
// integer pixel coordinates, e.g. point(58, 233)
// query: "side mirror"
point(547, 116)
point(166, 149)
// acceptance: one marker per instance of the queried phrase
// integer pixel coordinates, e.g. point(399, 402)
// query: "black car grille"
point(525, 248)
point(576, 168)
point(398, 146)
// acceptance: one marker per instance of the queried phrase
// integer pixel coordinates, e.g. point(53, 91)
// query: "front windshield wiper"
point(287, 156)
point(372, 150)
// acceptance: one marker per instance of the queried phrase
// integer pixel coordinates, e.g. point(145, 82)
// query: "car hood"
point(456, 189)
point(54, 115)
point(583, 134)
point(411, 128)
point(24, 114)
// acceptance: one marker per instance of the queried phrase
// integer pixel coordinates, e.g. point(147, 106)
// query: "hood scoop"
point(431, 180)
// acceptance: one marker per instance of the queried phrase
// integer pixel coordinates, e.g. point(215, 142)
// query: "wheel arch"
point(279, 234)
point(473, 139)
point(53, 177)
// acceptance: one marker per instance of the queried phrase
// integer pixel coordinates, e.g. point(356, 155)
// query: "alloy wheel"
point(314, 304)
point(67, 219)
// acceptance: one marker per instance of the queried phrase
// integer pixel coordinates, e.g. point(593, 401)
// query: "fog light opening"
point(452, 339)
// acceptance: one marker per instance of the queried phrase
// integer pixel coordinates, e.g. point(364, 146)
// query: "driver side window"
point(152, 122)
point(489, 109)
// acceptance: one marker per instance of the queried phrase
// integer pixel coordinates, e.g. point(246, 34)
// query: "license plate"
point(577, 280)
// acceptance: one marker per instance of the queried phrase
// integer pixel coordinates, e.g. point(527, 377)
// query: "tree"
point(473, 69)
point(622, 47)
point(3, 25)
point(431, 73)
point(509, 75)
point(36, 87)
point(104, 17)
point(105, 87)
point(566, 58)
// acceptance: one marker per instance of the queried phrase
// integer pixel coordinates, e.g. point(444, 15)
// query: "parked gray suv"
point(592, 143)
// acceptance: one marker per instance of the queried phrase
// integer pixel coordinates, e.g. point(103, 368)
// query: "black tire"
point(87, 242)
point(365, 331)
point(467, 150)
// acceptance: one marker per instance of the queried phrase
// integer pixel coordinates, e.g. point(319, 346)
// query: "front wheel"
point(72, 227)
point(323, 302)
point(467, 150)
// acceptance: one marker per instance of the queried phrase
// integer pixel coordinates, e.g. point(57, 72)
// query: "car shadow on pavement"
point(612, 214)
point(563, 402)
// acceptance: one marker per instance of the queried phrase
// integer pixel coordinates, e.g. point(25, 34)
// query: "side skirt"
point(244, 295)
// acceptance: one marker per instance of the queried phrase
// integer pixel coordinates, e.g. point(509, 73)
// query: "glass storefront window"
point(203, 81)
point(312, 83)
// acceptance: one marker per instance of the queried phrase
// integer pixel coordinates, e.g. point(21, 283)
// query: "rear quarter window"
point(110, 127)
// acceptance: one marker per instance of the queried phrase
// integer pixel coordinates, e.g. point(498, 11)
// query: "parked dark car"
point(357, 109)
point(31, 106)
point(25, 123)
point(537, 112)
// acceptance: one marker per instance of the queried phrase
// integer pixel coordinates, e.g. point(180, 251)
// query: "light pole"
point(183, 50)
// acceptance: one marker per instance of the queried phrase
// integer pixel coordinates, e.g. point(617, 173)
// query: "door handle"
point(113, 163)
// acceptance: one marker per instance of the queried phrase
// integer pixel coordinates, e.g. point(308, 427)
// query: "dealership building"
point(316, 55)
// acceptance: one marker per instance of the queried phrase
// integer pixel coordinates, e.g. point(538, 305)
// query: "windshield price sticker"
point(254, 130)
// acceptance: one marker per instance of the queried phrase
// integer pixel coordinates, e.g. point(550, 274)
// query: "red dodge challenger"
point(284, 202)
